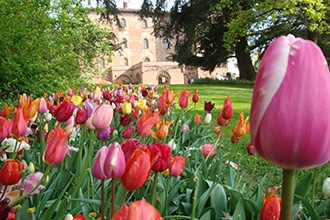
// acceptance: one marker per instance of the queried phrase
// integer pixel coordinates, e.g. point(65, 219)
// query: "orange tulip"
point(162, 130)
point(272, 207)
point(56, 146)
point(242, 126)
point(138, 210)
point(6, 110)
point(29, 106)
point(197, 119)
point(170, 96)
point(145, 123)
point(10, 172)
point(19, 127)
point(137, 169)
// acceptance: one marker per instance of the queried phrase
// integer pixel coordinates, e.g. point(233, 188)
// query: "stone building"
point(143, 58)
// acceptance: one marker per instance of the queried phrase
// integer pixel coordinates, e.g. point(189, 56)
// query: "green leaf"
point(239, 213)
point(303, 187)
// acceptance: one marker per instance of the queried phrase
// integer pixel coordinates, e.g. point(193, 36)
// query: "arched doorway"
point(124, 79)
point(163, 77)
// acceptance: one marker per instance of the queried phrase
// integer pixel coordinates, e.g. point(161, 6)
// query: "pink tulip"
point(208, 150)
point(98, 166)
point(290, 105)
point(102, 116)
point(19, 126)
point(114, 164)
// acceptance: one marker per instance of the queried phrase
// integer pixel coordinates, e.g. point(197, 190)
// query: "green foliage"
point(44, 44)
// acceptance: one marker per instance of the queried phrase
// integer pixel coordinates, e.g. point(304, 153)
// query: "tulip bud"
point(98, 166)
point(208, 150)
point(293, 84)
point(184, 99)
point(114, 164)
point(326, 187)
point(128, 132)
point(19, 126)
point(127, 108)
point(81, 116)
point(177, 165)
point(102, 117)
point(208, 118)
point(42, 106)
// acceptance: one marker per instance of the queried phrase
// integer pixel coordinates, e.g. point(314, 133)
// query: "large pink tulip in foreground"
point(290, 113)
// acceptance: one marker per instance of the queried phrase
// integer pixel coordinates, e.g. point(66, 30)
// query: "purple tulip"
point(290, 105)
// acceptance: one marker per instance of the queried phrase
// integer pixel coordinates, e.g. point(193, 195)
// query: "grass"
point(252, 168)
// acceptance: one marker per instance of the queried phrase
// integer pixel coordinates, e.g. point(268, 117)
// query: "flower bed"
point(138, 152)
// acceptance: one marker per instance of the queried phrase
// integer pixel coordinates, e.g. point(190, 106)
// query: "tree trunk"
point(244, 61)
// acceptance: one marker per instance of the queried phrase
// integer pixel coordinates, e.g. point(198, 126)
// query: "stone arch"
point(125, 79)
point(163, 77)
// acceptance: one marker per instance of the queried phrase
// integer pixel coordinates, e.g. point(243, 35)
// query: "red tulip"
point(222, 121)
point(137, 169)
point(177, 165)
point(79, 217)
point(195, 96)
point(64, 111)
point(102, 117)
point(10, 172)
point(81, 116)
point(146, 122)
point(138, 210)
point(125, 120)
point(5, 128)
point(160, 154)
point(162, 106)
point(56, 146)
point(7, 212)
point(208, 106)
point(227, 110)
point(128, 132)
point(19, 127)
point(129, 146)
point(184, 99)
point(290, 99)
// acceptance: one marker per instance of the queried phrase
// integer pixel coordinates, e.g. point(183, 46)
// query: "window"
point(124, 43)
point(122, 22)
point(102, 62)
point(125, 62)
point(165, 44)
point(145, 44)
point(144, 23)
point(146, 60)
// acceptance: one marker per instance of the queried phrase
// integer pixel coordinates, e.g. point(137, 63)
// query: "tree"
point(45, 44)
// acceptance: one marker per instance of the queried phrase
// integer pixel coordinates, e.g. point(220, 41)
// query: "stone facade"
point(142, 58)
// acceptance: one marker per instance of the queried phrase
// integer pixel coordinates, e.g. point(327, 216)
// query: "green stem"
point(287, 194)
point(102, 200)
point(113, 197)
point(44, 177)
point(194, 199)
point(154, 189)
point(313, 187)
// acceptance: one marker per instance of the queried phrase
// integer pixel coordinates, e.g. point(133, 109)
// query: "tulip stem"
point(102, 200)
point(313, 187)
point(287, 193)
point(113, 196)
point(154, 189)
point(124, 198)
point(194, 199)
